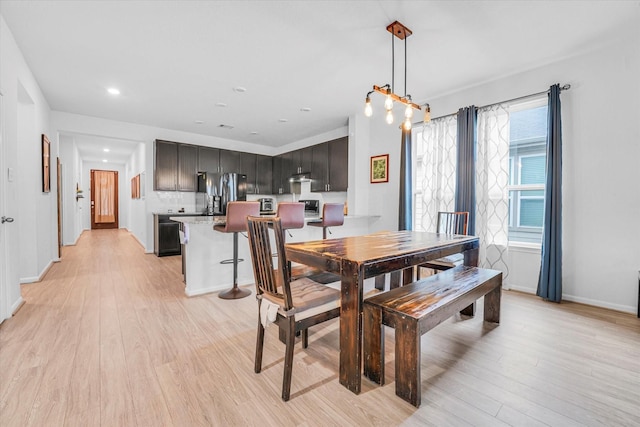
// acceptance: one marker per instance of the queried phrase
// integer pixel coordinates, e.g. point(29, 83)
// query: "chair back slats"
point(452, 222)
point(262, 256)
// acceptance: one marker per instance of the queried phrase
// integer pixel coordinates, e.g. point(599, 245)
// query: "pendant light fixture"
point(400, 31)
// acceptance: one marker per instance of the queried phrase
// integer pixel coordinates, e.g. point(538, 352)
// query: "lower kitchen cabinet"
point(166, 236)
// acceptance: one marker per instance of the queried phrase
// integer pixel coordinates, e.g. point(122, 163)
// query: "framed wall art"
point(380, 168)
point(46, 164)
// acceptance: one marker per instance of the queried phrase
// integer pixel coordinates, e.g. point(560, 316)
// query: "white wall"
point(137, 207)
point(601, 170)
point(33, 235)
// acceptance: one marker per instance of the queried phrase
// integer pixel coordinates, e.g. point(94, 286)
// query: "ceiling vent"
point(225, 126)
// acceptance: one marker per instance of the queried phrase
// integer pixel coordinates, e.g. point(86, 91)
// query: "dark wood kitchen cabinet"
point(229, 161)
point(330, 165)
point(248, 167)
point(338, 164)
point(187, 167)
point(319, 167)
point(276, 168)
point(264, 174)
point(301, 160)
point(208, 159)
point(175, 166)
point(166, 236)
point(165, 168)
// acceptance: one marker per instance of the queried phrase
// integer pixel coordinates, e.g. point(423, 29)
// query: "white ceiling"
point(174, 60)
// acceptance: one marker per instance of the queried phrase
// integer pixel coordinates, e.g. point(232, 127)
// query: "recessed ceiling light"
point(221, 104)
point(198, 122)
point(113, 91)
point(239, 89)
point(254, 133)
point(305, 109)
point(104, 160)
point(106, 150)
point(223, 126)
point(283, 120)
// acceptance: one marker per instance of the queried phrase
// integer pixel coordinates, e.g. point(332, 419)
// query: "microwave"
point(311, 207)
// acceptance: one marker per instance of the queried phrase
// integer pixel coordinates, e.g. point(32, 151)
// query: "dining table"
point(358, 258)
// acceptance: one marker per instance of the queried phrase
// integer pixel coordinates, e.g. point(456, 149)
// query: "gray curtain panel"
point(550, 279)
point(405, 213)
point(466, 171)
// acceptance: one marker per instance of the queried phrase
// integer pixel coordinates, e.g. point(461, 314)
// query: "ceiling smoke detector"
point(223, 126)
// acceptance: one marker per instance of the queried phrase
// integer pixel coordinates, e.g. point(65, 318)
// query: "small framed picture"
point(380, 168)
point(46, 164)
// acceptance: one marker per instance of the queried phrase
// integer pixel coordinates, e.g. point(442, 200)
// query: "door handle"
point(6, 219)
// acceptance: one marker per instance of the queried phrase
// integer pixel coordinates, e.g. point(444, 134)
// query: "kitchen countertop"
point(218, 220)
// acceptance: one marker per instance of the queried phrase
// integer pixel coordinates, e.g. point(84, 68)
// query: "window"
point(527, 160)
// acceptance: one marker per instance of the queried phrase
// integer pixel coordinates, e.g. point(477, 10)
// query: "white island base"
point(205, 248)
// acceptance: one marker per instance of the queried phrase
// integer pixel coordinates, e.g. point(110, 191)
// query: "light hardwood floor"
point(109, 339)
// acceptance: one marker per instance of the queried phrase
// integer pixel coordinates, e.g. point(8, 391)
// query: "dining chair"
point(293, 305)
point(448, 223)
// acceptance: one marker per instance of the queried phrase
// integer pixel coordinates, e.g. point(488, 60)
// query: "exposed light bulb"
point(408, 112)
point(427, 113)
point(388, 103)
point(368, 110)
point(389, 117)
point(407, 124)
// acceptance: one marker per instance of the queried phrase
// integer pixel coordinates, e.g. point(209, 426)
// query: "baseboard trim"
point(25, 280)
point(580, 300)
point(602, 304)
point(17, 306)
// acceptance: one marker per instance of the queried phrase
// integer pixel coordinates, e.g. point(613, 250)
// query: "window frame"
point(535, 146)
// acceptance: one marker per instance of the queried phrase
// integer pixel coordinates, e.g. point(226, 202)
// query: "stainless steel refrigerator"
point(215, 190)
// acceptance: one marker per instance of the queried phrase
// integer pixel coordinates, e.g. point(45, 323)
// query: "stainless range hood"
point(300, 177)
point(300, 183)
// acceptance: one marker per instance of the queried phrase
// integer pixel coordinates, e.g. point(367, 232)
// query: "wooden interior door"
point(104, 199)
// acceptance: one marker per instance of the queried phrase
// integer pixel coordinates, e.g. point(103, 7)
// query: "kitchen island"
point(204, 248)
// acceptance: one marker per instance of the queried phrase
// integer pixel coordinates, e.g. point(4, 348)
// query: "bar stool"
point(332, 216)
point(237, 213)
point(291, 215)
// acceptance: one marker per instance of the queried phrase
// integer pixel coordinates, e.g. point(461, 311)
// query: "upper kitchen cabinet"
point(208, 159)
point(330, 165)
point(338, 164)
point(248, 167)
point(165, 168)
point(301, 160)
point(230, 161)
point(319, 167)
point(282, 171)
point(187, 167)
point(264, 174)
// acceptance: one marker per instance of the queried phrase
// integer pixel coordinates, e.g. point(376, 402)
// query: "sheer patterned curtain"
point(435, 171)
point(492, 180)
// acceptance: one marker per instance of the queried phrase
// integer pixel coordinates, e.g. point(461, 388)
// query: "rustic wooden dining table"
point(360, 257)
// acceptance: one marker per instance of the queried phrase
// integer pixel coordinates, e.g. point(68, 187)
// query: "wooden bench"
point(416, 308)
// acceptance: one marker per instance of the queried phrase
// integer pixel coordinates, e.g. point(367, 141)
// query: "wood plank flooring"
point(109, 339)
